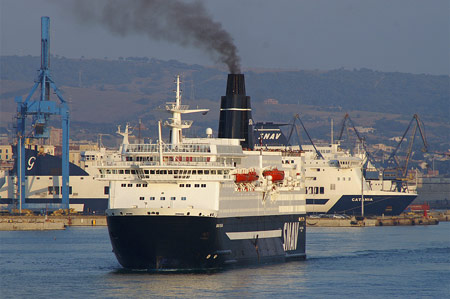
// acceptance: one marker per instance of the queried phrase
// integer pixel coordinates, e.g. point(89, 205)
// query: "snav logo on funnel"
point(271, 136)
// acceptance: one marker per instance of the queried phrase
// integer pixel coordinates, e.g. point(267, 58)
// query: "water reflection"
point(264, 280)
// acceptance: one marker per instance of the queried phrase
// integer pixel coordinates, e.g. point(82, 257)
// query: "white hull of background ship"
point(205, 203)
point(334, 182)
point(43, 183)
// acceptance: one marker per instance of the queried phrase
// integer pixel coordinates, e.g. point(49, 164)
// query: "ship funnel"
point(236, 112)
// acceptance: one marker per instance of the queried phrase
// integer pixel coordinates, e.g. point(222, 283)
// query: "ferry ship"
point(43, 182)
point(334, 178)
point(205, 203)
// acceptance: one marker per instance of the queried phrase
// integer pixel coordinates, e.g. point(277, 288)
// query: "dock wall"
point(48, 222)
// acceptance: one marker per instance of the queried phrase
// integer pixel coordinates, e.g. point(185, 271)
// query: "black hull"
point(376, 205)
point(192, 243)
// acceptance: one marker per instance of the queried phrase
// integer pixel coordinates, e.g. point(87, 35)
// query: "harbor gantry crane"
point(393, 162)
point(40, 110)
point(297, 131)
point(358, 135)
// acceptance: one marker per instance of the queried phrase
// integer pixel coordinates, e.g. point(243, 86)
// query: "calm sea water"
point(405, 262)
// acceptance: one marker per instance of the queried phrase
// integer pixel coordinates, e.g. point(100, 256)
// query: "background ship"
point(43, 183)
point(334, 178)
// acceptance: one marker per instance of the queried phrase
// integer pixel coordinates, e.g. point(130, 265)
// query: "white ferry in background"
point(43, 182)
point(202, 203)
point(334, 182)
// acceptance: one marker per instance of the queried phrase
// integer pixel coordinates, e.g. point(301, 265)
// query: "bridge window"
point(138, 185)
point(121, 171)
point(141, 198)
point(188, 185)
point(203, 185)
point(162, 198)
point(123, 185)
point(197, 185)
point(106, 190)
point(213, 172)
point(152, 198)
point(181, 185)
point(130, 185)
point(183, 198)
point(173, 198)
point(144, 185)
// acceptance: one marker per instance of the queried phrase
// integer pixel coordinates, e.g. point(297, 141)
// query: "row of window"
point(131, 185)
point(162, 198)
point(181, 185)
point(165, 171)
point(56, 190)
point(343, 178)
point(170, 159)
point(315, 190)
point(195, 185)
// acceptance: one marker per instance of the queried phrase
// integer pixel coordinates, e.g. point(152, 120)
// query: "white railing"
point(137, 164)
point(180, 148)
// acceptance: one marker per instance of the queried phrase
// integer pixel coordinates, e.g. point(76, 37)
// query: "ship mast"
point(125, 135)
point(176, 109)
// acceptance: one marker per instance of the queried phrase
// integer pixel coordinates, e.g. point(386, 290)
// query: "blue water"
point(371, 262)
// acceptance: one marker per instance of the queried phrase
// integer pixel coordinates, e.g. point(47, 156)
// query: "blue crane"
point(40, 110)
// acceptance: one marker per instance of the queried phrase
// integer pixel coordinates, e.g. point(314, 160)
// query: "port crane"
point(297, 131)
point(41, 110)
point(361, 139)
point(393, 163)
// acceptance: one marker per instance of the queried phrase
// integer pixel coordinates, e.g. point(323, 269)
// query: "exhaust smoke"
point(186, 24)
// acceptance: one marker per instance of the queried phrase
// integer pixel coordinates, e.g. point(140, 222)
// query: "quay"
point(432, 218)
point(8, 223)
point(361, 222)
point(12, 222)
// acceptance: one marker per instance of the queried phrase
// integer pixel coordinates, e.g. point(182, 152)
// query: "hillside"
point(104, 93)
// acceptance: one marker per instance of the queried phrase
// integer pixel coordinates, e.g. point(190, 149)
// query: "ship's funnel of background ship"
point(236, 112)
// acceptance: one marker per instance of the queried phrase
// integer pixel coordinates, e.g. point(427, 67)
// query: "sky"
point(411, 36)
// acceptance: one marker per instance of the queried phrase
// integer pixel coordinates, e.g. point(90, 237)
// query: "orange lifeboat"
point(246, 177)
point(277, 175)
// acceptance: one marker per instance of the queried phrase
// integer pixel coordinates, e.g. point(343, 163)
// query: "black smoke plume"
point(170, 20)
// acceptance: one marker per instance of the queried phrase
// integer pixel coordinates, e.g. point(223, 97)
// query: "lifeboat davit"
point(246, 177)
point(277, 175)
